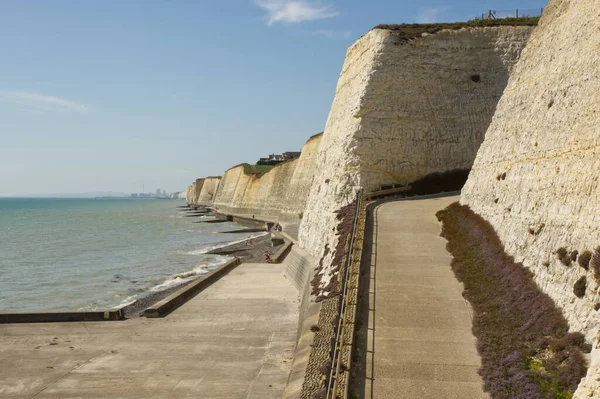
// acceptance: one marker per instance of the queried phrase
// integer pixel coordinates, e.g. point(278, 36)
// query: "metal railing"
point(516, 13)
point(338, 344)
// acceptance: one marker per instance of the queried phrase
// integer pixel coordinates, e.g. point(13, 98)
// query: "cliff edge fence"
point(535, 177)
point(408, 104)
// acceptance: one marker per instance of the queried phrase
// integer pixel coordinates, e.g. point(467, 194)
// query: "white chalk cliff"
point(404, 109)
point(535, 178)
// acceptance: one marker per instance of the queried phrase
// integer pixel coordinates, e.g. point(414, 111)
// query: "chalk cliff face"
point(209, 190)
point(189, 194)
point(281, 192)
point(202, 191)
point(535, 178)
point(405, 109)
point(197, 189)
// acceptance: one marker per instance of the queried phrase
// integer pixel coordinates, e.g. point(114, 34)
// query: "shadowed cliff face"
point(281, 191)
point(197, 190)
point(404, 109)
point(535, 178)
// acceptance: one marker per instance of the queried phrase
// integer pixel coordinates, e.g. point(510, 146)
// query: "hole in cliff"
point(327, 181)
point(573, 255)
point(475, 78)
point(563, 256)
point(595, 263)
point(579, 287)
point(584, 259)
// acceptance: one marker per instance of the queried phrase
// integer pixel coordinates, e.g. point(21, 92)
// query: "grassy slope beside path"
point(522, 337)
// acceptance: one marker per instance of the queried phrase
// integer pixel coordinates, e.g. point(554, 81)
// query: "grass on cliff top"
point(256, 169)
point(412, 31)
point(526, 349)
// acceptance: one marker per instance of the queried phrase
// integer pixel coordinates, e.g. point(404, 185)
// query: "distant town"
point(158, 194)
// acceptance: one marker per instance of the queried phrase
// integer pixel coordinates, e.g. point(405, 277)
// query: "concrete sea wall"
point(535, 178)
point(280, 193)
point(404, 109)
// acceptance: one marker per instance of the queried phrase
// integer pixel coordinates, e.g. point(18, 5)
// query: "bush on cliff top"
point(522, 337)
point(256, 169)
point(412, 31)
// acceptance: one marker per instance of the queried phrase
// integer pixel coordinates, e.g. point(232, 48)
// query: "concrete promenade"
point(234, 340)
point(419, 343)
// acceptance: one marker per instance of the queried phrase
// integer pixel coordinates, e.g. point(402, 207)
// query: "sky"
point(100, 96)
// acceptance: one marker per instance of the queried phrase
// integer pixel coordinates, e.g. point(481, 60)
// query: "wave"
point(176, 280)
point(184, 277)
point(127, 301)
point(223, 244)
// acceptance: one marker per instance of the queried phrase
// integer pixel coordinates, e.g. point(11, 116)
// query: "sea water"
point(92, 254)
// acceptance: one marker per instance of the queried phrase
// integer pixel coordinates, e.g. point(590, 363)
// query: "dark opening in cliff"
point(433, 183)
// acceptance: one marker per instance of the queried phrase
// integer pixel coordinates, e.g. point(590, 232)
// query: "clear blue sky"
point(110, 95)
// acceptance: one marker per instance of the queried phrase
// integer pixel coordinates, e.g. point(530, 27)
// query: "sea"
point(95, 254)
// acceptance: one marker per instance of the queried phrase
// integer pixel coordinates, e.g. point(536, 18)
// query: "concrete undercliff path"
point(233, 340)
point(419, 342)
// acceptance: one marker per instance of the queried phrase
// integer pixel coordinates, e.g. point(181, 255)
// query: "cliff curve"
point(535, 178)
point(404, 109)
point(279, 193)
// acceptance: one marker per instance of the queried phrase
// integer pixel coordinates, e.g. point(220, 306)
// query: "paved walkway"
point(233, 340)
point(420, 343)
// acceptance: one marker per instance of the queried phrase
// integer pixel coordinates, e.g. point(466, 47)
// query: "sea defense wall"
point(279, 193)
point(535, 178)
point(405, 108)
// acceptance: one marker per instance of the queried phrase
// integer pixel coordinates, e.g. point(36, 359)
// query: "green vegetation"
point(314, 136)
point(256, 169)
point(412, 31)
point(523, 338)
